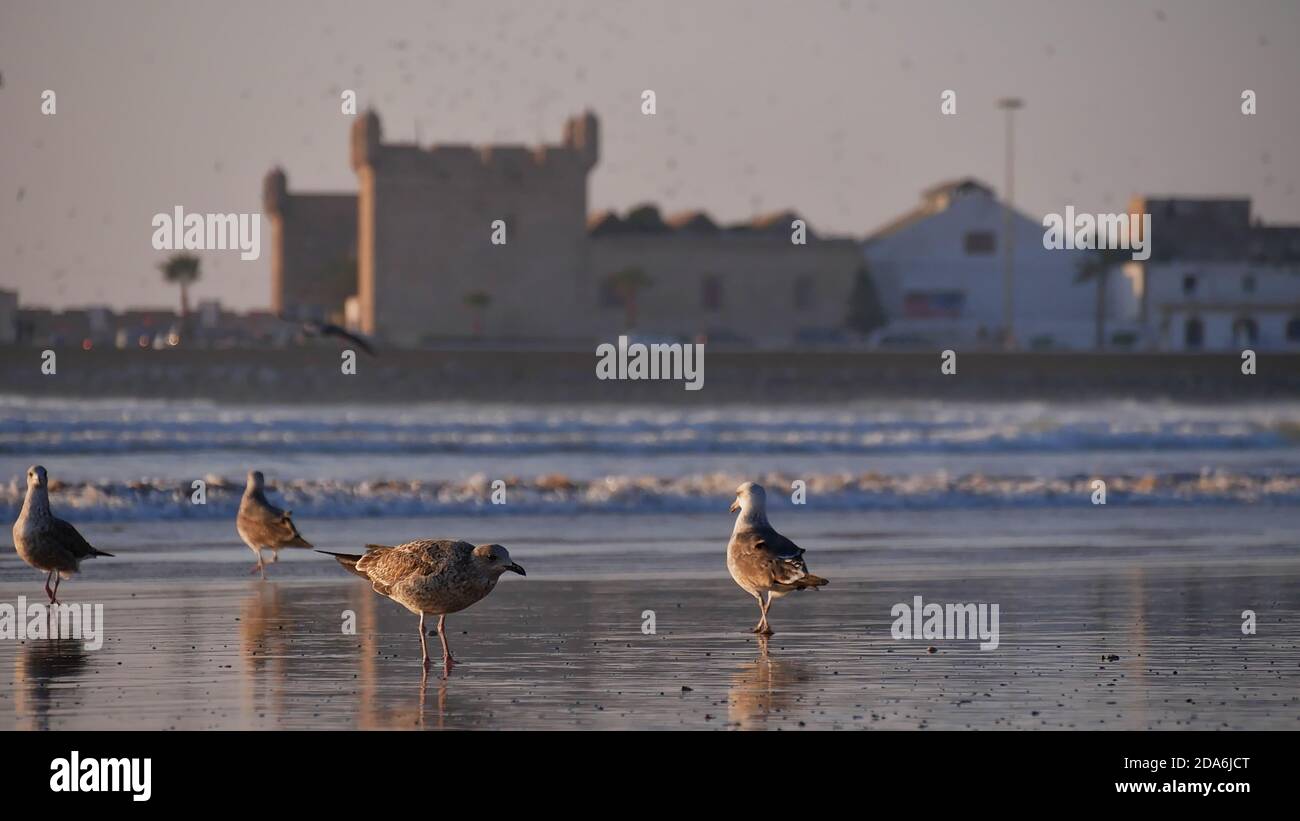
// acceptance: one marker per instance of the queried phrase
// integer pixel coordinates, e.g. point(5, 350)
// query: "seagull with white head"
point(764, 563)
point(45, 542)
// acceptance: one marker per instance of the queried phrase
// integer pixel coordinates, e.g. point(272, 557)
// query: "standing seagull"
point(45, 542)
point(431, 577)
point(762, 560)
point(264, 526)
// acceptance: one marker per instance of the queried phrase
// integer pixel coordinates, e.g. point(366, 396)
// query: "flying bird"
point(45, 542)
point(432, 577)
point(313, 327)
point(761, 560)
point(263, 526)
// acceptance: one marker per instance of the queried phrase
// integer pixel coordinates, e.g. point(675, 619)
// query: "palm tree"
point(1097, 265)
point(183, 270)
point(626, 283)
point(478, 302)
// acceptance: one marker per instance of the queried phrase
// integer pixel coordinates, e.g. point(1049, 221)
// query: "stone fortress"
point(410, 260)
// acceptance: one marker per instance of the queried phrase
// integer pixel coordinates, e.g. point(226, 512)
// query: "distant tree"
point(183, 270)
point(1097, 266)
point(478, 302)
point(866, 314)
point(627, 283)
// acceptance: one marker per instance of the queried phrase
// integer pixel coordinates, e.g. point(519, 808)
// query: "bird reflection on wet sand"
point(44, 669)
point(764, 688)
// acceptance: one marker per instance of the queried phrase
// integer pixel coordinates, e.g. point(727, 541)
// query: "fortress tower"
point(313, 248)
point(424, 229)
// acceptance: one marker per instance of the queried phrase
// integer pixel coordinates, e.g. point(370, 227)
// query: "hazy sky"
point(831, 107)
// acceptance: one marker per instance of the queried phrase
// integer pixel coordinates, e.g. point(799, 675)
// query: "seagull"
point(432, 577)
point(762, 560)
point(313, 327)
point(45, 542)
point(263, 526)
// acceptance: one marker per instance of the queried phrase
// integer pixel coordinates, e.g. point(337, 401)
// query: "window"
point(1189, 285)
point(805, 293)
point(1293, 329)
point(1245, 331)
point(711, 293)
point(980, 242)
point(1248, 283)
point(1193, 334)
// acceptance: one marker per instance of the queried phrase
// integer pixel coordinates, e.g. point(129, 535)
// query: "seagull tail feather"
point(348, 560)
point(297, 540)
point(95, 551)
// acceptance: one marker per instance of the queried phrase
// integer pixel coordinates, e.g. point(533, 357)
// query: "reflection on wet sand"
point(763, 688)
point(44, 668)
point(262, 649)
point(241, 655)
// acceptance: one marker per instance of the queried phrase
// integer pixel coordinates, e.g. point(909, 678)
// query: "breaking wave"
point(559, 494)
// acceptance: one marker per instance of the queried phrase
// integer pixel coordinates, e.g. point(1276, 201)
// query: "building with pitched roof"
point(939, 268)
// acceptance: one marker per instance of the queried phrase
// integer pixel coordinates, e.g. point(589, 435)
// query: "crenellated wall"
point(426, 218)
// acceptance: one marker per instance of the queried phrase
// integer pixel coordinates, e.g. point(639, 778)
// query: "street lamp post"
point(1009, 105)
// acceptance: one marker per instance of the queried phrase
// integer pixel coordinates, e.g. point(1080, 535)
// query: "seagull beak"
point(516, 568)
point(735, 506)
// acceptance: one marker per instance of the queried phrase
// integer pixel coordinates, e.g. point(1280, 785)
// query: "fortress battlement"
point(444, 162)
point(579, 151)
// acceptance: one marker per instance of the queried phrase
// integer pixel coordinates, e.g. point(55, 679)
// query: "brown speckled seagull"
point(45, 542)
point(761, 560)
point(263, 526)
point(432, 577)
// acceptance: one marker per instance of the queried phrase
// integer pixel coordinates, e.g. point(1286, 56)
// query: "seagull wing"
point(269, 525)
point(73, 542)
point(335, 330)
point(769, 559)
point(389, 566)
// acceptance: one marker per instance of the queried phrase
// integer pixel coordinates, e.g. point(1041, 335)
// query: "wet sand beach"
point(1113, 640)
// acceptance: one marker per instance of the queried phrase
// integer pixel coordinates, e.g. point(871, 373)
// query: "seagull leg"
point(447, 660)
point(48, 592)
point(424, 648)
point(758, 628)
point(767, 629)
point(54, 597)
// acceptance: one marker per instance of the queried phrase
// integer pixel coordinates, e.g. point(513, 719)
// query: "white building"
point(1215, 281)
point(939, 271)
